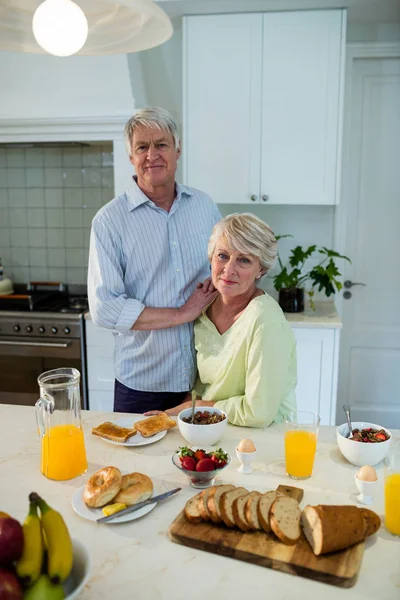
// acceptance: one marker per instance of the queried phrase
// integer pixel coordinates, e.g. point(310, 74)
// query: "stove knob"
point(17, 328)
point(29, 328)
point(54, 330)
point(42, 329)
point(67, 330)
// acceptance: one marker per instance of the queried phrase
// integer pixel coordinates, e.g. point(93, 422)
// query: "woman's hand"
point(174, 412)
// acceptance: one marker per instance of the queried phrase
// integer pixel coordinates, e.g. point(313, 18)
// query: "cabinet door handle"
point(264, 198)
point(254, 198)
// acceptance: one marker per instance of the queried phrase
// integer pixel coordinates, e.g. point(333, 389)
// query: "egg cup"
point(245, 459)
point(366, 489)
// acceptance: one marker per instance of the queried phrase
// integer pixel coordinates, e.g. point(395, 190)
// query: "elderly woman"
point(246, 350)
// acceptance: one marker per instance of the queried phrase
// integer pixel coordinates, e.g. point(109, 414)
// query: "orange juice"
point(392, 503)
point(63, 452)
point(300, 446)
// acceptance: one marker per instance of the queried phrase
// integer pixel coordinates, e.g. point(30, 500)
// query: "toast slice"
point(330, 528)
point(153, 425)
point(213, 501)
point(226, 503)
point(284, 520)
point(238, 509)
point(113, 432)
point(191, 510)
point(263, 507)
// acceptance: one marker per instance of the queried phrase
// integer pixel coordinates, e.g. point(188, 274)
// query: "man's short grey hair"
point(248, 234)
point(155, 117)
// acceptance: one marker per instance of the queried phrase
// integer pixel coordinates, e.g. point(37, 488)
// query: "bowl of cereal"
point(208, 426)
point(368, 444)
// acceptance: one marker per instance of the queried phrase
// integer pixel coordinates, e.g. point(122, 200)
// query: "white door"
point(369, 366)
point(222, 100)
point(302, 91)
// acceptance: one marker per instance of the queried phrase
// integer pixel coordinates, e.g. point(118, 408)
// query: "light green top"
point(250, 371)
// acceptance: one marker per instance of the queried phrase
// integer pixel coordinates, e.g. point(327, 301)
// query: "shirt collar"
point(136, 197)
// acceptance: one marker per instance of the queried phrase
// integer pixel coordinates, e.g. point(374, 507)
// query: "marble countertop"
point(137, 559)
point(324, 316)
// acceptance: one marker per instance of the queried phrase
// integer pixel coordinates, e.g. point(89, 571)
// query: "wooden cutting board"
point(263, 549)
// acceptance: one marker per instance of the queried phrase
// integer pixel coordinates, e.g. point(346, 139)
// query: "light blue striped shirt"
point(142, 256)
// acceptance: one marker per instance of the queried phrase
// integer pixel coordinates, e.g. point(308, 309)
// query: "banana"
point(43, 589)
point(110, 509)
point(59, 544)
point(29, 565)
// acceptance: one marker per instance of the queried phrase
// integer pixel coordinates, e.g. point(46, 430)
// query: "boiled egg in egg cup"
point(366, 481)
point(245, 451)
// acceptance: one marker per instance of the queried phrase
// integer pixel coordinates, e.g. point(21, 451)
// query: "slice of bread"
point(238, 508)
point(263, 508)
point(251, 512)
point(291, 491)
point(226, 503)
point(191, 509)
point(113, 432)
point(203, 509)
point(155, 424)
point(329, 528)
point(213, 501)
point(284, 519)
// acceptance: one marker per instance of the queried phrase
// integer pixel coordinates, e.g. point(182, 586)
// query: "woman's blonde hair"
point(248, 234)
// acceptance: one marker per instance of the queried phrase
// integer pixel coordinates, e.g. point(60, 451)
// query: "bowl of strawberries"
point(200, 465)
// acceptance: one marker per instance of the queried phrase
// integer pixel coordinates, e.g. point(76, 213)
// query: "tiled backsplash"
point(48, 198)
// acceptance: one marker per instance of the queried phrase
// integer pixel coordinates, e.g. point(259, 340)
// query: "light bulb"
point(60, 27)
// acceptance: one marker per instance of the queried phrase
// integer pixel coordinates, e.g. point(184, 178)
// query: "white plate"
point(92, 514)
point(138, 439)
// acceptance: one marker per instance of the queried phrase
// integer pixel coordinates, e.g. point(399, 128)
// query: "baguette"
point(191, 509)
point(113, 432)
point(263, 507)
point(330, 528)
point(213, 501)
point(238, 509)
point(153, 425)
point(226, 503)
point(284, 519)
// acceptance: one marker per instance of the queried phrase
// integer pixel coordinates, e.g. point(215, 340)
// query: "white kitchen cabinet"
point(262, 106)
point(317, 367)
point(317, 371)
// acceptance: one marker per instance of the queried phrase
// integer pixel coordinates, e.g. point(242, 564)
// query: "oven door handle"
point(35, 344)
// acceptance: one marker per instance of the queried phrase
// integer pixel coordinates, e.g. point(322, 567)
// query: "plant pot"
point(291, 300)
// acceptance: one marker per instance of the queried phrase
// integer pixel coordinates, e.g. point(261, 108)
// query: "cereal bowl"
point(362, 453)
point(199, 479)
point(202, 435)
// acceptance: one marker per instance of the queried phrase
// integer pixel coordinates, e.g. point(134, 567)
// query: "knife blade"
point(135, 507)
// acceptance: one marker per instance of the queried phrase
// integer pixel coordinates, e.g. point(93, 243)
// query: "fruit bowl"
point(79, 575)
point(361, 453)
point(202, 435)
point(199, 479)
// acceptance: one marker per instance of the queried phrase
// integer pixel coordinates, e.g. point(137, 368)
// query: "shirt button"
point(178, 270)
point(174, 243)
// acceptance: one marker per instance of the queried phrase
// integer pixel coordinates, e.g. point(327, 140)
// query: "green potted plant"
point(293, 279)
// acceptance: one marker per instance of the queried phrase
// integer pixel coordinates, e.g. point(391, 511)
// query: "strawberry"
point(205, 464)
point(185, 451)
point(219, 458)
point(200, 454)
point(189, 463)
point(381, 436)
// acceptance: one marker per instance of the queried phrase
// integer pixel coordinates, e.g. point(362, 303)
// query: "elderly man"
point(148, 257)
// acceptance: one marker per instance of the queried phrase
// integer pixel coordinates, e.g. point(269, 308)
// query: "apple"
point(11, 540)
point(10, 588)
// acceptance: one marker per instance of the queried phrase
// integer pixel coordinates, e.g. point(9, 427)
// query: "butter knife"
point(131, 509)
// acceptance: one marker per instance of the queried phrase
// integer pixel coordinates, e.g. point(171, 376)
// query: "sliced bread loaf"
point(213, 501)
point(203, 498)
point(251, 512)
point(226, 503)
point(263, 507)
point(191, 510)
point(284, 519)
point(238, 509)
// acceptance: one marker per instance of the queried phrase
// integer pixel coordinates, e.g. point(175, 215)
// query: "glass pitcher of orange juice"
point(58, 416)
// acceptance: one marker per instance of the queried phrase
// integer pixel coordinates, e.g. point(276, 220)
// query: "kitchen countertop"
point(324, 316)
point(136, 559)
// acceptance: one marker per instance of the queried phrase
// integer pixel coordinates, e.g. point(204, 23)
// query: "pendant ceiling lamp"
point(86, 27)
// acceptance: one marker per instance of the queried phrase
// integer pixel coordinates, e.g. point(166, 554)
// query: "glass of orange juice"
point(301, 433)
point(58, 415)
point(392, 490)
